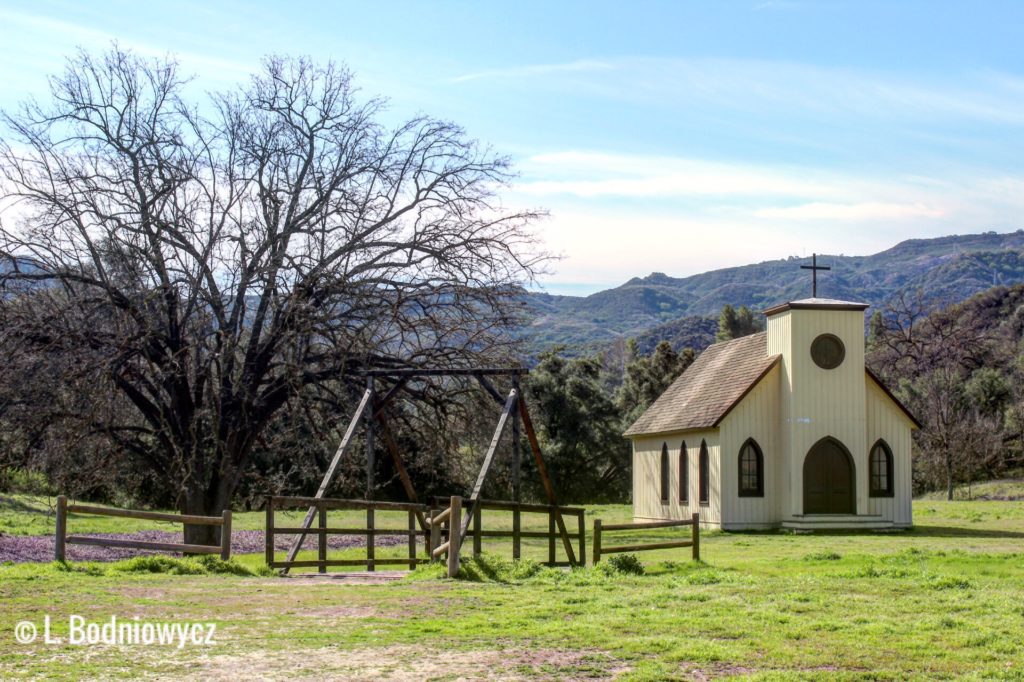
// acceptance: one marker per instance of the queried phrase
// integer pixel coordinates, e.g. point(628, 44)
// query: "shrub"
point(823, 556)
point(491, 568)
point(625, 564)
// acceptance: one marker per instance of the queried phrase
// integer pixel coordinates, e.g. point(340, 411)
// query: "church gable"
point(709, 388)
point(873, 380)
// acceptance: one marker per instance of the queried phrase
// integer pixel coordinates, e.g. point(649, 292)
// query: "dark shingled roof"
point(709, 388)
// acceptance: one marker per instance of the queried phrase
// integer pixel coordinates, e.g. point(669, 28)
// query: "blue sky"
point(675, 137)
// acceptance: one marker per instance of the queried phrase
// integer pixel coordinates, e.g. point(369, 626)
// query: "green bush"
point(206, 564)
point(24, 482)
point(491, 568)
point(622, 564)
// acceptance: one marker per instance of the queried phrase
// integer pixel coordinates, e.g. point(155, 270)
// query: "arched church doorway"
point(829, 479)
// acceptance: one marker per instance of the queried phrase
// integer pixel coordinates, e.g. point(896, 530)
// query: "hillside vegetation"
point(949, 268)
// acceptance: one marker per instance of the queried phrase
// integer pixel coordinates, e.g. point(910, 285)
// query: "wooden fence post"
point(583, 538)
point(412, 541)
point(321, 543)
point(269, 535)
point(61, 528)
point(597, 541)
point(477, 540)
point(516, 530)
point(551, 536)
point(454, 536)
point(696, 537)
point(435, 535)
point(225, 535)
point(371, 565)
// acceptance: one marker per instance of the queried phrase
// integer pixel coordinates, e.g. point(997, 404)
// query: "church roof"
point(709, 388)
point(817, 304)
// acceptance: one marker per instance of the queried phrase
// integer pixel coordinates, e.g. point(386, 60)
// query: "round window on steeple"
point(828, 351)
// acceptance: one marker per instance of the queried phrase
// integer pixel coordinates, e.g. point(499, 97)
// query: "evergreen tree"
point(736, 323)
point(646, 378)
point(580, 429)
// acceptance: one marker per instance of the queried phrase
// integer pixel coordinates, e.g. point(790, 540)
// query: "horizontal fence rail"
point(477, 531)
point(62, 538)
point(694, 541)
point(320, 506)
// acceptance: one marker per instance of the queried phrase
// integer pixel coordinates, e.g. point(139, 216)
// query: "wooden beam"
point(371, 463)
point(542, 470)
point(431, 372)
point(510, 406)
point(378, 408)
point(516, 454)
point(147, 515)
point(396, 458)
point(335, 461)
point(140, 544)
point(489, 387)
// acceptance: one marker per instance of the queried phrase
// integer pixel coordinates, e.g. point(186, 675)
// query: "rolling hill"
point(949, 268)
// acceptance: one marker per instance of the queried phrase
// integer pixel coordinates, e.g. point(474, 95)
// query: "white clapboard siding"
point(757, 417)
point(821, 402)
point(647, 502)
point(888, 422)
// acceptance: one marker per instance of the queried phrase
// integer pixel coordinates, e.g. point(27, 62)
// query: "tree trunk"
point(196, 502)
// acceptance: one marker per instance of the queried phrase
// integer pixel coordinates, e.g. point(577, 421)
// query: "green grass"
point(1008, 489)
point(940, 601)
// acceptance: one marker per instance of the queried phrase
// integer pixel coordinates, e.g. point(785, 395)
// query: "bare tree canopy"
point(213, 262)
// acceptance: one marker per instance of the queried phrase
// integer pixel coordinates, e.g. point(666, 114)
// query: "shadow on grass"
point(915, 531)
point(11, 504)
point(961, 532)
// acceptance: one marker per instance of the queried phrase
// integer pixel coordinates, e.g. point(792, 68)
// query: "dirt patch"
point(716, 672)
point(360, 578)
point(410, 664)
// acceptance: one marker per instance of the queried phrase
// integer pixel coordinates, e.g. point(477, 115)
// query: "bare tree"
point(212, 263)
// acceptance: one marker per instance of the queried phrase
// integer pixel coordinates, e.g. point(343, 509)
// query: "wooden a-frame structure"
point(371, 412)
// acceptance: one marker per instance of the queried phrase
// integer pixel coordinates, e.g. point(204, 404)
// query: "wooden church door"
point(828, 480)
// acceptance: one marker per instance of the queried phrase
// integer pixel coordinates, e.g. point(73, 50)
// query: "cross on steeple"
point(814, 267)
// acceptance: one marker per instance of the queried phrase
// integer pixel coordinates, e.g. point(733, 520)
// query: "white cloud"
point(754, 85)
point(867, 211)
point(535, 70)
point(591, 174)
point(614, 217)
point(211, 66)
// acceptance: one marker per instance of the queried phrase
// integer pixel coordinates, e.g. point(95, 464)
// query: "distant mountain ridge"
point(949, 268)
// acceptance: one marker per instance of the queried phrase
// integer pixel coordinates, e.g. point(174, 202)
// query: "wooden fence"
point(322, 531)
point(452, 518)
point(694, 541)
point(476, 529)
point(62, 538)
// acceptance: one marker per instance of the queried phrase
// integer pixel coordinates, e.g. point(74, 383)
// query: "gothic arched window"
point(880, 469)
point(664, 473)
point(704, 474)
point(684, 474)
point(751, 470)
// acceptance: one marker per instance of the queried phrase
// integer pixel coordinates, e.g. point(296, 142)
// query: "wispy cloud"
point(867, 211)
point(595, 174)
point(536, 70)
point(753, 84)
point(210, 65)
point(616, 216)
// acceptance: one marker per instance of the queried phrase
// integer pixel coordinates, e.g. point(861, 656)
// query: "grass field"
point(945, 600)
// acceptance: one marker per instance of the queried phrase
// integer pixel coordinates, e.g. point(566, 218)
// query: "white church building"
point(785, 428)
